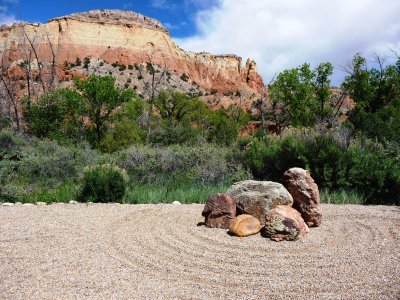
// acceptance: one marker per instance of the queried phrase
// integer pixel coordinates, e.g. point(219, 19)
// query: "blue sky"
point(277, 34)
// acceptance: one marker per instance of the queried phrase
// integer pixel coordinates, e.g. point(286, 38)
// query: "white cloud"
point(7, 19)
point(6, 16)
point(163, 4)
point(283, 34)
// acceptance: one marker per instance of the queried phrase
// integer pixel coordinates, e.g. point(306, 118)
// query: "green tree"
point(57, 115)
point(222, 129)
point(178, 121)
point(127, 127)
point(322, 84)
point(299, 95)
point(376, 92)
point(101, 98)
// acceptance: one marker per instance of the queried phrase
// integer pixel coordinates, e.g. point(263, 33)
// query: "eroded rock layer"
point(125, 37)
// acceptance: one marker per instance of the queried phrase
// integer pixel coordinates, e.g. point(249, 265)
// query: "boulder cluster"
point(280, 212)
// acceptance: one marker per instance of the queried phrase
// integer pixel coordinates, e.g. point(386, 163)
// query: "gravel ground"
point(110, 251)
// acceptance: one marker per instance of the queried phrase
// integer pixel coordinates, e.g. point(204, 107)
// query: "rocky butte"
point(108, 41)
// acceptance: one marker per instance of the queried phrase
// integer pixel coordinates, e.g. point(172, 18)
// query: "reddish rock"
point(127, 37)
point(284, 223)
point(305, 195)
point(245, 225)
point(219, 211)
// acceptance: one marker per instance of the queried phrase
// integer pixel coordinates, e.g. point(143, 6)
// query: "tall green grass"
point(341, 197)
point(195, 193)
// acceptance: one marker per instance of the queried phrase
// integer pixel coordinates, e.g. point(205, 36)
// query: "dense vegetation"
point(98, 142)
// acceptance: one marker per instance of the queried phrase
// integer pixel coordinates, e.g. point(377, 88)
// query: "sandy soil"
point(110, 251)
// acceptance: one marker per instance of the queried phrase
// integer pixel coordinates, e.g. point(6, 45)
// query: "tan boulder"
point(284, 223)
point(219, 211)
point(305, 195)
point(256, 198)
point(245, 225)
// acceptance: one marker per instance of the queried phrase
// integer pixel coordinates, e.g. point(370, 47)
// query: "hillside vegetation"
point(171, 146)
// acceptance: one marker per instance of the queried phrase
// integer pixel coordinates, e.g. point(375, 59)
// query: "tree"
point(298, 96)
point(376, 92)
point(9, 100)
point(101, 98)
point(127, 127)
point(322, 85)
point(57, 115)
point(178, 118)
point(152, 88)
point(174, 105)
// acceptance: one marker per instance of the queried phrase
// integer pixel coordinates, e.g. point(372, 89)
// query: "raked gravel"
point(109, 251)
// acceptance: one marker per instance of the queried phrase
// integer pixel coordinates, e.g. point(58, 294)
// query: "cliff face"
point(125, 37)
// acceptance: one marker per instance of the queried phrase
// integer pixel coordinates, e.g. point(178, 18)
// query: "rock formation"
point(256, 198)
point(105, 37)
point(305, 195)
point(219, 211)
point(284, 223)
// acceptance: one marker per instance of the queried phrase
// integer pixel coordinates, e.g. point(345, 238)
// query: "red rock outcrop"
point(126, 37)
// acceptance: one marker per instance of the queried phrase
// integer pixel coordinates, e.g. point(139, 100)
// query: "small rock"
point(18, 203)
point(176, 203)
point(305, 195)
point(245, 225)
point(41, 203)
point(284, 223)
point(28, 204)
point(73, 202)
point(256, 198)
point(7, 204)
point(219, 211)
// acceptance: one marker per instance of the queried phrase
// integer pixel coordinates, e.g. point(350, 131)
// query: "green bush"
point(362, 165)
point(103, 183)
point(184, 164)
point(10, 146)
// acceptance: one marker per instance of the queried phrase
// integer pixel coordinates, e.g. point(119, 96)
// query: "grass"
point(149, 193)
point(341, 197)
point(145, 193)
point(136, 194)
point(64, 193)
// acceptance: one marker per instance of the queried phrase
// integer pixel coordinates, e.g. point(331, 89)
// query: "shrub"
point(10, 146)
point(184, 77)
point(362, 166)
point(86, 62)
point(178, 164)
point(103, 183)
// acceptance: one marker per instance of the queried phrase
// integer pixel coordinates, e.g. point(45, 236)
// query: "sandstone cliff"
point(120, 38)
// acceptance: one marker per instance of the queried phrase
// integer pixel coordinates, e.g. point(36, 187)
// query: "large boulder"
point(256, 198)
point(305, 195)
point(219, 211)
point(284, 223)
point(245, 225)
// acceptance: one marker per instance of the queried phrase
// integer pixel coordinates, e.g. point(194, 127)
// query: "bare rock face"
point(284, 223)
point(305, 194)
point(116, 17)
point(219, 211)
point(256, 198)
point(245, 225)
point(126, 38)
